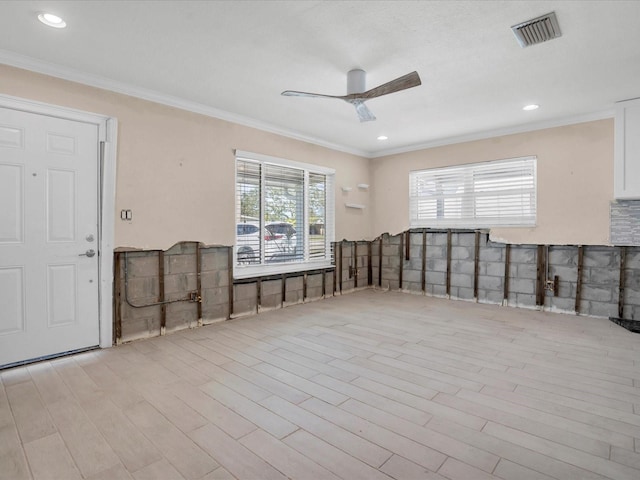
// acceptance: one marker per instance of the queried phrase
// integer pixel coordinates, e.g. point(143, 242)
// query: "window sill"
point(251, 271)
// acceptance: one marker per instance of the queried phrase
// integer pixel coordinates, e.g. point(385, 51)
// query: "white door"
point(48, 235)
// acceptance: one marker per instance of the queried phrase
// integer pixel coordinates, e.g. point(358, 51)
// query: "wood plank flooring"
point(371, 385)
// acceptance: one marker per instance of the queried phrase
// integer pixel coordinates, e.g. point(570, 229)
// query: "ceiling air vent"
point(537, 30)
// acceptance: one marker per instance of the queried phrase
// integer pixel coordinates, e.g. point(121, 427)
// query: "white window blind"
point(284, 216)
point(479, 195)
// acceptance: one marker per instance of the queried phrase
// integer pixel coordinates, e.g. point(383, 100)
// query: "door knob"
point(89, 253)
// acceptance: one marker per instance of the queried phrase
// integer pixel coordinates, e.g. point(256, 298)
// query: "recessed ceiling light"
point(533, 106)
point(52, 20)
point(383, 137)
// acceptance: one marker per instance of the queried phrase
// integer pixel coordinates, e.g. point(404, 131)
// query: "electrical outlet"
point(550, 285)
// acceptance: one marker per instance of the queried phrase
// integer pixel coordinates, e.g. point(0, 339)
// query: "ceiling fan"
point(356, 94)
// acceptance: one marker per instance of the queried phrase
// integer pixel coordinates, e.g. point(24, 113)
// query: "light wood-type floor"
point(370, 385)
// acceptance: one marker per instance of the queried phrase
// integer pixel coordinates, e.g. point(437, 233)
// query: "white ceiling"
point(232, 59)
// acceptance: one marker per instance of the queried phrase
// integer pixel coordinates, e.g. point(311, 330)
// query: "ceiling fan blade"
point(409, 80)
point(293, 93)
point(364, 114)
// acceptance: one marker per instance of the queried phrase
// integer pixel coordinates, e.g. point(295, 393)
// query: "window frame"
point(264, 269)
point(468, 216)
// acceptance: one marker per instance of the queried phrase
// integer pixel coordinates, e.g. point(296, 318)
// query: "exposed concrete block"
point(314, 281)
point(214, 313)
point(181, 282)
point(436, 278)
point(522, 285)
point(632, 293)
point(490, 283)
point(391, 250)
point(214, 296)
point(464, 293)
point(525, 270)
point(560, 304)
point(600, 309)
point(293, 297)
point(569, 274)
point(411, 276)
point(142, 265)
point(244, 292)
point(393, 240)
point(348, 285)
point(437, 290)
point(436, 252)
point(214, 258)
point(437, 239)
point(139, 328)
point(179, 264)
point(633, 258)
point(394, 262)
point(412, 286)
point(214, 279)
point(602, 276)
point(270, 287)
point(567, 256)
point(491, 269)
point(489, 296)
point(522, 254)
point(462, 253)
point(128, 312)
point(390, 284)
point(294, 283)
point(525, 299)
point(461, 280)
point(465, 239)
point(463, 267)
point(416, 240)
point(181, 316)
point(271, 301)
point(244, 307)
point(632, 279)
point(314, 293)
point(143, 287)
point(415, 263)
point(565, 290)
point(598, 257)
point(182, 248)
point(597, 293)
point(490, 254)
point(436, 265)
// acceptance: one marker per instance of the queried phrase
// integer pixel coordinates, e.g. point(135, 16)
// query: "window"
point(478, 195)
point(284, 215)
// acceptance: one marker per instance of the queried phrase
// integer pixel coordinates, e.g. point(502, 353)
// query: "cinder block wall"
point(456, 267)
point(159, 292)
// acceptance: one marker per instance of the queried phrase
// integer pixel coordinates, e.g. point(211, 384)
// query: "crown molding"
point(40, 66)
point(499, 132)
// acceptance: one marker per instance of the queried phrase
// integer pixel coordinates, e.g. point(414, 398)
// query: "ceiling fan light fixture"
point(528, 108)
point(52, 20)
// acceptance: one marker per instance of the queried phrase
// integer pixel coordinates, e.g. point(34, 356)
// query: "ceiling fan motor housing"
point(356, 81)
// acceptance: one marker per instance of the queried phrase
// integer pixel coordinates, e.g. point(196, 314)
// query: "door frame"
point(106, 150)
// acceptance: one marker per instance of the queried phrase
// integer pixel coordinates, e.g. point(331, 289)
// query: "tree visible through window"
point(284, 215)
